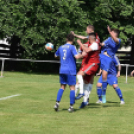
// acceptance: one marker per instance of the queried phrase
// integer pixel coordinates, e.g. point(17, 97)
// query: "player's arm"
point(112, 35)
point(119, 71)
point(93, 47)
point(102, 44)
point(132, 73)
point(75, 53)
point(56, 55)
point(117, 63)
point(78, 56)
point(99, 73)
point(79, 36)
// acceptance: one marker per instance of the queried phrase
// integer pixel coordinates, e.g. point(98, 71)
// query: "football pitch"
point(31, 110)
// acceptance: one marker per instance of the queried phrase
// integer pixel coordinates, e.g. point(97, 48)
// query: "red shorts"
point(88, 78)
point(90, 69)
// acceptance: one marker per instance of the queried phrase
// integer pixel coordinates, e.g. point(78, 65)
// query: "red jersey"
point(84, 58)
point(93, 56)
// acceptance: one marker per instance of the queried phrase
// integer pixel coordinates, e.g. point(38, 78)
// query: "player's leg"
point(77, 86)
point(105, 66)
point(63, 81)
point(86, 96)
point(104, 85)
point(119, 93)
point(80, 75)
point(99, 92)
point(72, 83)
point(59, 96)
point(89, 79)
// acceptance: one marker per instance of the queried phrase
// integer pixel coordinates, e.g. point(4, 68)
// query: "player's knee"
point(63, 86)
point(99, 84)
point(80, 73)
point(115, 86)
point(72, 87)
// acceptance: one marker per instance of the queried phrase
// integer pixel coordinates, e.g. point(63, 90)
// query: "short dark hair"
point(116, 31)
point(91, 27)
point(93, 35)
point(70, 37)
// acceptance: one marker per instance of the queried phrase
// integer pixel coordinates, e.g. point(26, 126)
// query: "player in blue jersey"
point(109, 48)
point(112, 80)
point(68, 55)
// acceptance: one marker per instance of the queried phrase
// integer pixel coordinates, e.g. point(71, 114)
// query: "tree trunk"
point(132, 52)
point(13, 51)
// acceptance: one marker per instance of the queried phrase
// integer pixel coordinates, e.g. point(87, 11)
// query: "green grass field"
point(33, 113)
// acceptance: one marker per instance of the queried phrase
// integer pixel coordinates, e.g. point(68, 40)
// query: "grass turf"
point(33, 113)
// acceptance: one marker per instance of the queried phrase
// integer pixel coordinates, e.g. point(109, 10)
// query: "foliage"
point(40, 21)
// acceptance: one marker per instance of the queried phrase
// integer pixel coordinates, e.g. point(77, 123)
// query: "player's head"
point(90, 29)
point(116, 32)
point(70, 38)
point(92, 37)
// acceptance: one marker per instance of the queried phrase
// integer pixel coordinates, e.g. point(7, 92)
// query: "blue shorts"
point(105, 62)
point(111, 79)
point(68, 79)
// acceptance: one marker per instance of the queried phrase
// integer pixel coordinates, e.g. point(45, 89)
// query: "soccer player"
point(90, 29)
point(109, 48)
point(68, 55)
point(90, 66)
point(112, 79)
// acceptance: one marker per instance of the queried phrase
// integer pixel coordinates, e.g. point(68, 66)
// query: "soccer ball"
point(49, 46)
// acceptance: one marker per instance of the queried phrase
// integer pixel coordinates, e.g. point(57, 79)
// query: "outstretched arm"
point(79, 36)
point(112, 35)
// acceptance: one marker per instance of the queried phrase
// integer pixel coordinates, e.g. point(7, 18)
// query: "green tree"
point(34, 23)
point(116, 13)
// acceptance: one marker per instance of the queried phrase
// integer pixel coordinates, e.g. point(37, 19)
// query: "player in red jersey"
point(89, 68)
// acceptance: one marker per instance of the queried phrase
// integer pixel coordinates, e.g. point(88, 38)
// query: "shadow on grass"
point(112, 102)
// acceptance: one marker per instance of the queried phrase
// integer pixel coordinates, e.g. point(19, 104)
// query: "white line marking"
point(8, 97)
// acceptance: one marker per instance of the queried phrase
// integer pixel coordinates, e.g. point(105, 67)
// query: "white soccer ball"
point(49, 46)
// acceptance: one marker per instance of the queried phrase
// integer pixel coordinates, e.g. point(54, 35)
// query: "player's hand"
point(102, 44)
point(84, 53)
point(72, 32)
point(98, 74)
point(109, 29)
point(118, 74)
point(79, 41)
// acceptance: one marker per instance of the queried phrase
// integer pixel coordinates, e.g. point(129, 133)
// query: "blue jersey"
point(113, 69)
point(110, 47)
point(67, 60)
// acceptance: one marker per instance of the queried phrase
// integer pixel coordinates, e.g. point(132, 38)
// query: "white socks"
point(87, 91)
point(80, 81)
point(76, 88)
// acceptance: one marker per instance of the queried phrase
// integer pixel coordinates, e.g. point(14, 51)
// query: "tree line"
point(33, 23)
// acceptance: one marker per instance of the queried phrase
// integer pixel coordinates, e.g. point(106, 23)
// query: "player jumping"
point(68, 55)
point(89, 68)
point(89, 29)
point(109, 48)
point(112, 79)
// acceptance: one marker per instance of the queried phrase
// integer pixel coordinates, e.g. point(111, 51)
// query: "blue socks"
point(99, 93)
point(104, 87)
point(59, 95)
point(119, 93)
point(72, 97)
